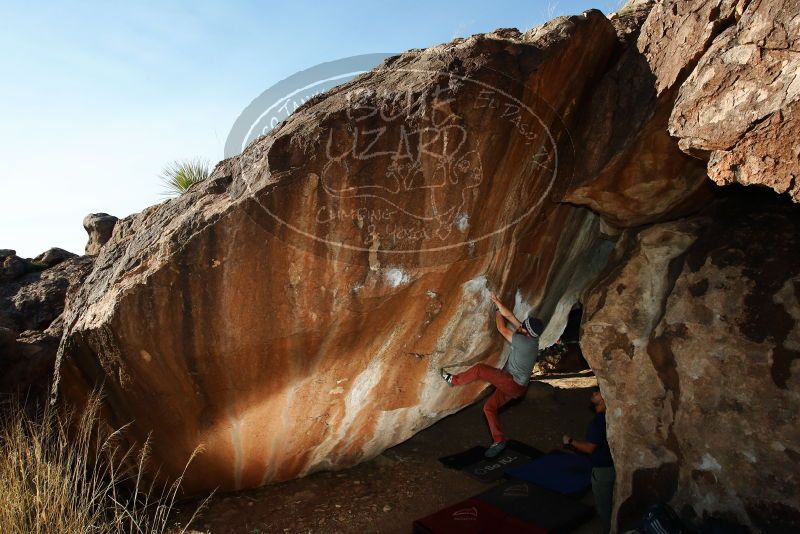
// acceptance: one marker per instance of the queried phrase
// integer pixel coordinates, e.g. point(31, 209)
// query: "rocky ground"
point(406, 482)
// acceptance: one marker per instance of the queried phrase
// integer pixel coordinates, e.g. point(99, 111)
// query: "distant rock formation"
point(289, 314)
point(32, 296)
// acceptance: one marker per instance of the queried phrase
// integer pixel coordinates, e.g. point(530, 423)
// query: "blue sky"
point(98, 96)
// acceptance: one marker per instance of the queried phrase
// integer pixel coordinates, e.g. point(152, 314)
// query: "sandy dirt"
point(406, 482)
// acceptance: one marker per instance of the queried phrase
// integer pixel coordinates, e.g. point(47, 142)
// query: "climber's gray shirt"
point(524, 351)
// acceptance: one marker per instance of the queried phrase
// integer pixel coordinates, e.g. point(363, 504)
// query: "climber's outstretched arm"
point(502, 326)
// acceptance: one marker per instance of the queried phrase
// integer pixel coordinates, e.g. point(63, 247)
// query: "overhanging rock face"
point(290, 314)
point(739, 106)
point(629, 169)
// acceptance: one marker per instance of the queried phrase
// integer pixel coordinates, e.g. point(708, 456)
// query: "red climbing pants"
point(505, 390)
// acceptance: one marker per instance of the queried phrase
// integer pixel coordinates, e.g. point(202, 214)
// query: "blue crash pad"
point(566, 473)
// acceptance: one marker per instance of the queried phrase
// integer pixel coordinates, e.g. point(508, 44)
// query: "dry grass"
point(56, 479)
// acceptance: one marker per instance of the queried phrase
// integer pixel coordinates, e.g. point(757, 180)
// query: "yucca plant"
point(180, 175)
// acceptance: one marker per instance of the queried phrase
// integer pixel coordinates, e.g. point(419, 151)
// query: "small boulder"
point(53, 256)
point(6, 252)
point(99, 226)
point(12, 267)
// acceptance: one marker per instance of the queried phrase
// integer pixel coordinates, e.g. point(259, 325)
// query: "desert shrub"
point(179, 176)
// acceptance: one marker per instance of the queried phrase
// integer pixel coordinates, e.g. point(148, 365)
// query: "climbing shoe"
point(446, 376)
point(495, 449)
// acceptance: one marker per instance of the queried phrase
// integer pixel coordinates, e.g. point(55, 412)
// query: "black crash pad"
point(473, 455)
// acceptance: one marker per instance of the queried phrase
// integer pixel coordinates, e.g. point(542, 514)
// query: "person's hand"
point(494, 299)
point(566, 440)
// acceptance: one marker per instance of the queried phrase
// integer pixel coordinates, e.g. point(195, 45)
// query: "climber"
point(510, 382)
point(596, 446)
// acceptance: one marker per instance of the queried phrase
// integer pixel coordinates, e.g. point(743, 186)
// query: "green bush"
point(179, 176)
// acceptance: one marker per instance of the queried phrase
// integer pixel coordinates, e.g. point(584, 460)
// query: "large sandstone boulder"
point(290, 314)
point(695, 338)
